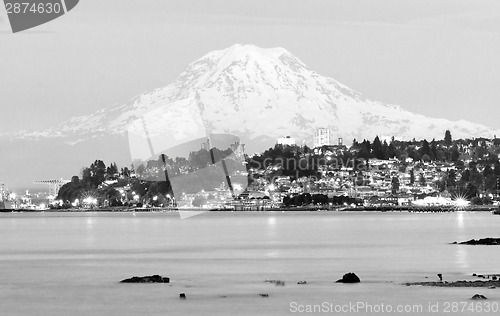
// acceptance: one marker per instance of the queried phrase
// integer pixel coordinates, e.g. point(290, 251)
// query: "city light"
point(461, 203)
point(90, 201)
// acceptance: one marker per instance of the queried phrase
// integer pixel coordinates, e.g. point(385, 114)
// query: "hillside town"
point(384, 172)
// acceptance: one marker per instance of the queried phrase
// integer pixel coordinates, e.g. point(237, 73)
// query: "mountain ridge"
point(237, 89)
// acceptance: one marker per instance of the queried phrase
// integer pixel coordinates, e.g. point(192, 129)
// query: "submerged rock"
point(302, 282)
point(182, 296)
point(147, 279)
point(349, 278)
point(276, 282)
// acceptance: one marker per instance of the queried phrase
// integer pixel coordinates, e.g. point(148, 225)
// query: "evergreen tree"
point(390, 151)
point(447, 138)
point(377, 150)
point(433, 151)
point(425, 150)
point(364, 152)
point(454, 155)
point(385, 148)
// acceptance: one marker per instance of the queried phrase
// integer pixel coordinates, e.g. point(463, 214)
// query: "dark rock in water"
point(147, 279)
point(276, 282)
point(302, 282)
point(264, 295)
point(440, 276)
point(484, 241)
point(473, 274)
point(349, 278)
point(479, 297)
point(182, 296)
point(480, 276)
point(494, 278)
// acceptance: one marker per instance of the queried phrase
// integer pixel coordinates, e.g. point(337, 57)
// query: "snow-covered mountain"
point(256, 94)
point(265, 93)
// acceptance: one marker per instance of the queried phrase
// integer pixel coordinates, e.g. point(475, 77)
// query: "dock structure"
point(54, 185)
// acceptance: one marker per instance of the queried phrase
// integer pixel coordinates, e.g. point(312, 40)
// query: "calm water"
point(70, 264)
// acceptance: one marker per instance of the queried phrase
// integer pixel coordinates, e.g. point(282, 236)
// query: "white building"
point(322, 137)
point(286, 140)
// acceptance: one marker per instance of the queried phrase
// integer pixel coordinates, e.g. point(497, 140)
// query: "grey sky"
point(434, 57)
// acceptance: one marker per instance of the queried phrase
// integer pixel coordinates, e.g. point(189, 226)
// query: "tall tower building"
point(322, 137)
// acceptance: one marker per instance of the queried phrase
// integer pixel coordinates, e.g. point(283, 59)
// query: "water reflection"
point(460, 220)
point(271, 221)
point(90, 222)
point(461, 251)
point(461, 257)
point(271, 230)
point(90, 233)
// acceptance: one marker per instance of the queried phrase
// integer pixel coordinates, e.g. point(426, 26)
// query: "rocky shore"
point(478, 283)
point(483, 241)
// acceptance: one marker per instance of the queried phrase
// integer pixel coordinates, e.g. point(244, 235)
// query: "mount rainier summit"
point(254, 93)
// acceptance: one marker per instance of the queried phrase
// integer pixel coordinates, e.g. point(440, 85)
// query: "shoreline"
point(381, 209)
point(461, 283)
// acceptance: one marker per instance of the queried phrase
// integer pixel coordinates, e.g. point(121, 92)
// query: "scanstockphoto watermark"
point(309, 167)
point(465, 307)
point(303, 163)
point(354, 307)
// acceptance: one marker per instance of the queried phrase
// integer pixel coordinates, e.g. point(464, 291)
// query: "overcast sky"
point(438, 58)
